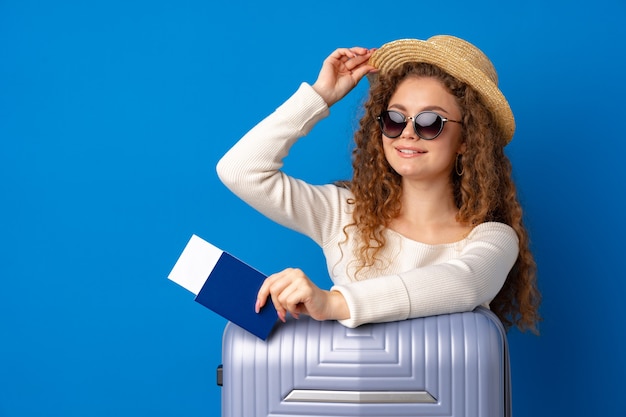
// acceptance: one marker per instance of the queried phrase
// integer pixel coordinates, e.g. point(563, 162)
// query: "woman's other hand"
point(292, 291)
point(341, 72)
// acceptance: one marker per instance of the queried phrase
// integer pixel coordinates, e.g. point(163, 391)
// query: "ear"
point(462, 148)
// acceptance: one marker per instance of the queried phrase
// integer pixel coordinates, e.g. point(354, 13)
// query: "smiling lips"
point(410, 151)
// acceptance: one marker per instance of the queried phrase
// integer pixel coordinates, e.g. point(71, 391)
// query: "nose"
point(409, 130)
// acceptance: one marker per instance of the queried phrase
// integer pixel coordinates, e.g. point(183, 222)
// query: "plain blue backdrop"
point(114, 113)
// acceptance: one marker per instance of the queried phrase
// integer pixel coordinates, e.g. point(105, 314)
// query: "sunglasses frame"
point(405, 121)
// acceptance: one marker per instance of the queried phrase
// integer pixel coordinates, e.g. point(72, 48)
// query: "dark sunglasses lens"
point(428, 124)
point(392, 123)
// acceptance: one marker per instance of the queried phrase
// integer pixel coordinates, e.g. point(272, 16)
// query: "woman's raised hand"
point(341, 72)
point(292, 291)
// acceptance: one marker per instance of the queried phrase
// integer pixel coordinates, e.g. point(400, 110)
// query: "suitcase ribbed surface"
point(448, 365)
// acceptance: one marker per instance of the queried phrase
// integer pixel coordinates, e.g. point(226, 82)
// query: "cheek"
point(387, 144)
point(388, 150)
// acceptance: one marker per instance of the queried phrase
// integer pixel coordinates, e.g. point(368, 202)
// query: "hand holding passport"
point(224, 284)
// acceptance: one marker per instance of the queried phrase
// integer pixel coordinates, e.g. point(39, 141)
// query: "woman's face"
point(412, 157)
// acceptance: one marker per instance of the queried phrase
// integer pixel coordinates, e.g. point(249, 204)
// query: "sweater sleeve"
point(473, 278)
point(251, 169)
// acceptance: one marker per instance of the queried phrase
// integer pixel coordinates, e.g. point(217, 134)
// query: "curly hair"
point(485, 192)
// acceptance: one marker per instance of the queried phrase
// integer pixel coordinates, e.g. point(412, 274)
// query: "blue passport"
point(224, 284)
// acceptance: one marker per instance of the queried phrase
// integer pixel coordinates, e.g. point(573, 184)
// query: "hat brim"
point(453, 61)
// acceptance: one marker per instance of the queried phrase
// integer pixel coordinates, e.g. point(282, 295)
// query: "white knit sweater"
point(413, 279)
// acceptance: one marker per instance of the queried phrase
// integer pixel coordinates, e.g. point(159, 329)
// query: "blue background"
point(114, 113)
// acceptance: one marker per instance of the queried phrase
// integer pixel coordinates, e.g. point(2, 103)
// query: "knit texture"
point(412, 279)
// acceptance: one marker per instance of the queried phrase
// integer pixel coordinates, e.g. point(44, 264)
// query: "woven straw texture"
point(458, 58)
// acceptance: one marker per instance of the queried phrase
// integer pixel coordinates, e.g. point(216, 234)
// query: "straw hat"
point(458, 58)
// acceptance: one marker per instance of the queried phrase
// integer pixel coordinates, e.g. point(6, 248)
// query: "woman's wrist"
point(323, 94)
point(338, 306)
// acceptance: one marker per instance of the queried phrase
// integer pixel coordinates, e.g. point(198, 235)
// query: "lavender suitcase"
point(449, 365)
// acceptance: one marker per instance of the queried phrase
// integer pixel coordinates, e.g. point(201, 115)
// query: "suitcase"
point(447, 365)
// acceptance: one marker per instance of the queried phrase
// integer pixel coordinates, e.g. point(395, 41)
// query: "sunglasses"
point(427, 124)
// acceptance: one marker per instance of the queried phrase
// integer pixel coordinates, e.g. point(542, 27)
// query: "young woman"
point(430, 222)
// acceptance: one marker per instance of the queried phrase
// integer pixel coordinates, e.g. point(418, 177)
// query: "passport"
point(224, 284)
